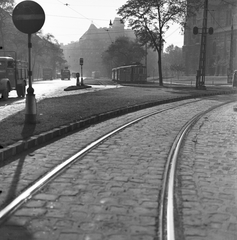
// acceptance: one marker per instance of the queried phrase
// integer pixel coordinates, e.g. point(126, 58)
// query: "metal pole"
point(200, 78)
point(230, 70)
point(146, 60)
point(30, 110)
point(30, 90)
point(81, 76)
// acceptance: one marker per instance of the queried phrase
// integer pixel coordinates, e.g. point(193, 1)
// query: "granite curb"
point(53, 134)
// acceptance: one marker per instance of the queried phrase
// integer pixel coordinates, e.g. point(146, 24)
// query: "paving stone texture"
point(113, 192)
point(208, 177)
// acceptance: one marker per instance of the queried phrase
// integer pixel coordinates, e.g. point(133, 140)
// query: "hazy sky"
point(68, 20)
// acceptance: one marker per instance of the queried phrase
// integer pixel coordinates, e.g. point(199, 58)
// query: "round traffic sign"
point(28, 17)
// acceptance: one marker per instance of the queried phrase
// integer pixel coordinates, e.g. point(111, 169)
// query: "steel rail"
point(166, 213)
point(39, 184)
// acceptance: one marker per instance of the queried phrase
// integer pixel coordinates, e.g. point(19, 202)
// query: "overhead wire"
point(75, 10)
point(90, 19)
point(84, 17)
point(172, 33)
point(233, 4)
point(222, 27)
point(61, 16)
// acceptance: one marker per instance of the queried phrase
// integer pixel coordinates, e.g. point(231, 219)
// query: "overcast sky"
point(68, 20)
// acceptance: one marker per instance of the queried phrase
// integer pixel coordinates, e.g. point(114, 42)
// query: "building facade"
point(93, 43)
point(221, 46)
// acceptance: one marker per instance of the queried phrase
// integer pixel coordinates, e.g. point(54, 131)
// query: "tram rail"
point(166, 228)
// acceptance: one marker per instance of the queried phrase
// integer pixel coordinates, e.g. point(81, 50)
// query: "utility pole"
point(230, 69)
point(200, 78)
point(146, 60)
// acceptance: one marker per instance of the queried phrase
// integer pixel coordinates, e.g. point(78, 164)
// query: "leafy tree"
point(6, 7)
point(54, 52)
point(174, 55)
point(150, 19)
point(173, 58)
point(46, 52)
point(123, 52)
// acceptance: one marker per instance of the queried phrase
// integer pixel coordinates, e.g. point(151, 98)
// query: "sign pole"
point(30, 108)
point(82, 76)
point(29, 17)
point(81, 63)
point(30, 90)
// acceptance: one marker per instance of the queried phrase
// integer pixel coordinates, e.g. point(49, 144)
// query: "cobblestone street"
point(112, 193)
point(208, 177)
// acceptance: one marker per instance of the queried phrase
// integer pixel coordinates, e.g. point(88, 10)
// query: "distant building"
point(91, 46)
point(222, 15)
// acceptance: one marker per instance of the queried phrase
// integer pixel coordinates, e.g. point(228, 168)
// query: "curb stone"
point(43, 138)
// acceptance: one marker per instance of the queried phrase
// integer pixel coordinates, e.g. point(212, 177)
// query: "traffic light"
point(81, 61)
point(210, 30)
point(195, 30)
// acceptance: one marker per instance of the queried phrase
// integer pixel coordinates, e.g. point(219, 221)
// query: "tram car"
point(130, 73)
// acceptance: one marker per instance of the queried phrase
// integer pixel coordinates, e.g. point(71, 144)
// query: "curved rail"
point(39, 184)
point(166, 215)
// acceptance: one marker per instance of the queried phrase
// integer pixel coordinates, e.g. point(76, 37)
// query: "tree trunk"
point(160, 68)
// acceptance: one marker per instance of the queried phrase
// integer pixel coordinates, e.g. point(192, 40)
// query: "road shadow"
point(27, 131)
point(12, 191)
point(14, 231)
point(10, 101)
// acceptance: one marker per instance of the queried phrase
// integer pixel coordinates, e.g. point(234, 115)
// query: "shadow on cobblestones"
point(14, 231)
point(15, 180)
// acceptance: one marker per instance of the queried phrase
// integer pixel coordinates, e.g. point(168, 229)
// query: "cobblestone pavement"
point(208, 178)
point(112, 193)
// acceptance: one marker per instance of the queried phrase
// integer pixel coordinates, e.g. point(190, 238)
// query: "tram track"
point(168, 182)
point(55, 171)
point(167, 222)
